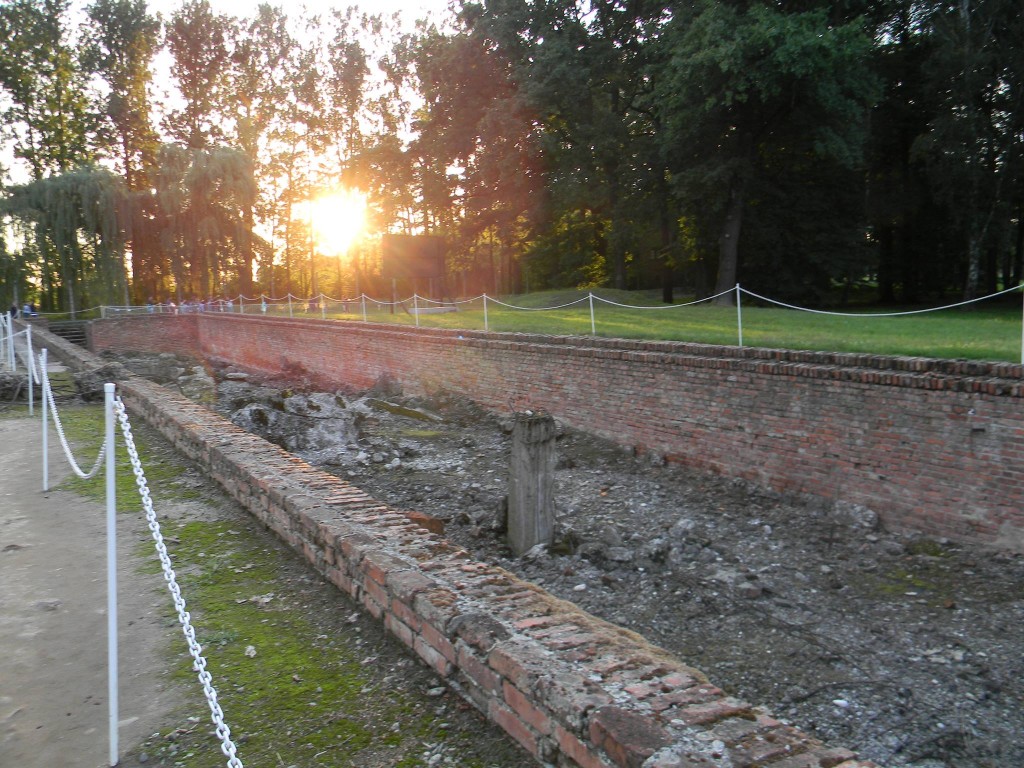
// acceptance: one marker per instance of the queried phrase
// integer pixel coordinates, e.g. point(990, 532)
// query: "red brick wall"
point(149, 333)
point(932, 446)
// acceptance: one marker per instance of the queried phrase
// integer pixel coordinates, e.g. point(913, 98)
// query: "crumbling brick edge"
point(572, 689)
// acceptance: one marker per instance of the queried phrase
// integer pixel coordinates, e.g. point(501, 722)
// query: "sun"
point(338, 220)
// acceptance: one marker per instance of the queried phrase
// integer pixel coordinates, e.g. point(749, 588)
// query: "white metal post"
point(10, 347)
point(323, 307)
point(593, 325)
point(31, 368)
point(739, 314)
point(487, 327)
point(46, 387)
point(362, 299)
point(416, 310)
point(112, 708)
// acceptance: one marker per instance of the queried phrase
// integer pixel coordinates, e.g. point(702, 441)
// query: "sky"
point(410, 9)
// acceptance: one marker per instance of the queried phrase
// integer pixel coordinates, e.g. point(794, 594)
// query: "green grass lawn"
point(990, 331)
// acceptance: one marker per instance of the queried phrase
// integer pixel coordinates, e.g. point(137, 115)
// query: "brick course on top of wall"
point(572, 689)
point(932, 446)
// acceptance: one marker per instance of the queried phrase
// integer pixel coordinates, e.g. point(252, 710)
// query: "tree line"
point(815, 151)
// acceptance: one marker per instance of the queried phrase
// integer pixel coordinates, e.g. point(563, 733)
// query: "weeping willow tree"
point(73, 226)
point(201, 198)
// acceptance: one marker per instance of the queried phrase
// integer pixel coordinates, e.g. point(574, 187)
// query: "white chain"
point(63, 440)
point(184, 618)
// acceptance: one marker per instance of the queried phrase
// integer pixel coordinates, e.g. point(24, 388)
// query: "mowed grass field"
point(990, 330)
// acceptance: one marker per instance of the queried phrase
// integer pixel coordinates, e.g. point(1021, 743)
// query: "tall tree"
point(584, 68)
point(261, 52)
point(47, 114)
point(972, 145)
point(197, 41)
point(120, 42)
point(345, 85)
point(737, 75)
point(478, 137)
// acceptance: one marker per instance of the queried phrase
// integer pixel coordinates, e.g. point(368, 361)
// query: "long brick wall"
point(932, 446)
point(572, 689)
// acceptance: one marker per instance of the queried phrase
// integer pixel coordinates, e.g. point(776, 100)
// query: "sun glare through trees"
point(817, 153)
point(338, 220)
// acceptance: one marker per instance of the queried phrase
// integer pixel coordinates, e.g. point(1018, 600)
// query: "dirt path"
point(53, 636)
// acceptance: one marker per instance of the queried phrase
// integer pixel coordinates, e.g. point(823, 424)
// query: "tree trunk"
point(1017, 272)
point(728, 244)
point(667, 283)
point(531, 506)
point(972, 285)
point(669, 229)
point(247, 257)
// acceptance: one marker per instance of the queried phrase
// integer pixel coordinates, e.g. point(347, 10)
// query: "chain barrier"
point(48, 394)
point(184, 618)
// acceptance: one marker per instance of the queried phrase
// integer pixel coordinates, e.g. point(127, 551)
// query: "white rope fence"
point(114, 410)
point(48, 394)
point(417, 306)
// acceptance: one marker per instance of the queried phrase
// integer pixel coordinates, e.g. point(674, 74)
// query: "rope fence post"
point(593, 325)
point(112, 706)
point(415, 309)
point(10, 346)
point(486, 325)
point(290, 304)
point(739, 313)
point(46, 454)
point(362, 300)
point(31, 370)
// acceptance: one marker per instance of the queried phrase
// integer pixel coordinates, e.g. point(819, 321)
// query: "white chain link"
point(184, 618)
point(63, 440)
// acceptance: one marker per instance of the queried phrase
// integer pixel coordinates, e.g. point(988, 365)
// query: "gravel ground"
point(908, 650)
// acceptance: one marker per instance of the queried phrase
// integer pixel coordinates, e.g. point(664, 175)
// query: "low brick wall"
point(178, 334)
point(572, 689)
point(932, 446)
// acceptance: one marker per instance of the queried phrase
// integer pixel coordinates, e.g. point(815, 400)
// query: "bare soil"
point(53, 618)
point(905, 649)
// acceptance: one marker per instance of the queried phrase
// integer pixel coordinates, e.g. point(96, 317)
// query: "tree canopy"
point(811, 150)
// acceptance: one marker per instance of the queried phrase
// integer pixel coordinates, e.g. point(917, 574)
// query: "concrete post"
point(531, 507)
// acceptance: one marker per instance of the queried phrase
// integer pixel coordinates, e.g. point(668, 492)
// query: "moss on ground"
point(300, 679)
point(84, 427)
